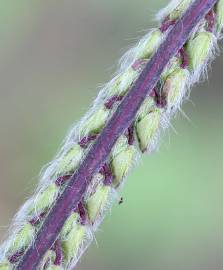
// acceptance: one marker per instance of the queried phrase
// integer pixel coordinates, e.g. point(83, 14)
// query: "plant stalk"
point(116, 126)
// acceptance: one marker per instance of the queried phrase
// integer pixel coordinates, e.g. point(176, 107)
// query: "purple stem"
point(120, 121)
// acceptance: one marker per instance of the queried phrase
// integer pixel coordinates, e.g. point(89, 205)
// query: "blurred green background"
point(54, 55)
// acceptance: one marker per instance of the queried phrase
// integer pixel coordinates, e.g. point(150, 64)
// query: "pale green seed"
point(69, 224)
point(72, 235)
point(123, 82)
point(95, 122)
point(174, 85)
point(219, 15)
point(145, 108)
point(73, 240)
point(179, 10)
point(147, 48)
point(174, 63)
point(146, 128)
point(114, 86)
point(22, 238)
point(44, 200)
point(71, 160)
point(126, 81)
point(121, 159)
point(198, 49)
point(97, 201)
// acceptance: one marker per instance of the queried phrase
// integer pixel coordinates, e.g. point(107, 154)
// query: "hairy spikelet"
point(186, 68)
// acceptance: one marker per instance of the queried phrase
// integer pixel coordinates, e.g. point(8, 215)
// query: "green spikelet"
point(147, 48)
point(71, 160)
point(122, 159)
point(96, 202)
point(198, 49)
point(95, 122)
point(146, 127)
point(23, 238)
point(174, 85)
point(44, 199)
point(72, 242)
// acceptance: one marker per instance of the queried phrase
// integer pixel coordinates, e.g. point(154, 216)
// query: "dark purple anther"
point(159, 97)
point(83, 213)
point(139, 64)
point(106, 171)
point(58, 251)
point(62, 179)
point(184, 57)
point(130, 134)
point(161, 101)
point(166, 24)
point(210, 18)
point(111, 101)
point(36, 220)
point(16, 256)
point(86, 140)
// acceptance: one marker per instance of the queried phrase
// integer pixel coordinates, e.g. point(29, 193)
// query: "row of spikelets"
point(154, 114)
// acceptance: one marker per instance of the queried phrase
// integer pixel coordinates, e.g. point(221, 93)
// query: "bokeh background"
point(53, 56)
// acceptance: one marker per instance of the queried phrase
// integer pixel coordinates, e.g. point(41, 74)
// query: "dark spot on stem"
point(167, 22)
point(62, 179)
point(86, 140)
point(16, 256)
point(107, 173)
point(111, 101)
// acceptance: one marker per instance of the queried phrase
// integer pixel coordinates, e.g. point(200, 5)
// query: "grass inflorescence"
point(130, 132)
